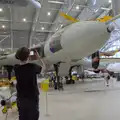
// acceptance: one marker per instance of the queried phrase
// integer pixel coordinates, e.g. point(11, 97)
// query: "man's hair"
point(22, 54)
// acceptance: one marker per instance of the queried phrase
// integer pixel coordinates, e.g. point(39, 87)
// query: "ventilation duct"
point(36, 3)
point(14, 2)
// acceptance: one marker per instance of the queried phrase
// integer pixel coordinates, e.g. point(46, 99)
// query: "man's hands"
point(44, 66)
point(38, 57)
point(37, 54)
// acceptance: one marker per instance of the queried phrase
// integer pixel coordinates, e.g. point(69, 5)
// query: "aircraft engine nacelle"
point(95, 60)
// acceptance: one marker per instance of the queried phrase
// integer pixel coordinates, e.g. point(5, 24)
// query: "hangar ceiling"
point(23, 24)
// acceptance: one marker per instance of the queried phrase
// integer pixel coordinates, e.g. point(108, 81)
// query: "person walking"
point(107, 78)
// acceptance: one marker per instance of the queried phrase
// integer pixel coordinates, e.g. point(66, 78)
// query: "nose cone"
point(85, 37)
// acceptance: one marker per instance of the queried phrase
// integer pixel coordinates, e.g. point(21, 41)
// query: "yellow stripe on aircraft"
point(68, 17)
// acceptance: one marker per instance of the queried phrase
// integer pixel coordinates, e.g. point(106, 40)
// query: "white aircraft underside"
point(78, 41)
point(87, 64)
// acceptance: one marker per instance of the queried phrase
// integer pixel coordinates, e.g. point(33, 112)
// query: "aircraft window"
point(55, 44)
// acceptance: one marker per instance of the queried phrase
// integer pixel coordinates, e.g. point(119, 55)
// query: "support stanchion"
point(104, 83)
point(46, 104)
point(6, 116)
point(112, 84)
point(45, 88)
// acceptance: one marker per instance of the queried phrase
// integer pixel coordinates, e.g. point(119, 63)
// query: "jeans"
point(28, 108)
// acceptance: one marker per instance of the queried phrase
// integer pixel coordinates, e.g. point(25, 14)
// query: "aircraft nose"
point(86, 37)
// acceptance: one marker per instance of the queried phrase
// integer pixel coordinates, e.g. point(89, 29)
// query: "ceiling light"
point(110, 1)
point(56, 2)
point(24, 19)
point(3, 26)
point(77, 7)
point(49, 13)
point(61, 25)
point(1, 9)
point(42, 28)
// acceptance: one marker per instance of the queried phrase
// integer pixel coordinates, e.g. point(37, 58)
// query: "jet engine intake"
point(95, 60)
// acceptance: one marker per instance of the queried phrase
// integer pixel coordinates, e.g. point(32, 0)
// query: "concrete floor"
point(91, 100)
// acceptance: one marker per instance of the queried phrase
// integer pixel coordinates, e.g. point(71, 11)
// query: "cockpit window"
point(55, 44)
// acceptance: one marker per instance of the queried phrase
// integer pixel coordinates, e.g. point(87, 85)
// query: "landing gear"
point(58, 81)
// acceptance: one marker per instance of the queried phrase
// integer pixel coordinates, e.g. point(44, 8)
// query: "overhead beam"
point(116, 7)
point(4, 35)
point(52, 27)
point(44, 31)
point(4, 39)
point(83, 6)
point(108, 44)
point(1, 20)
point(69, 10)
point(71, 7)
